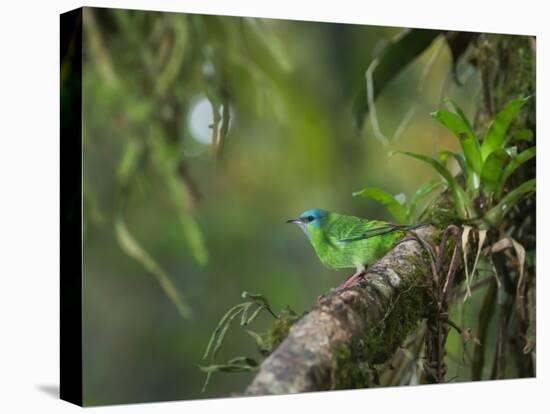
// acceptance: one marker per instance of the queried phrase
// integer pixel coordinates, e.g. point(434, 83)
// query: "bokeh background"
point(202, 135)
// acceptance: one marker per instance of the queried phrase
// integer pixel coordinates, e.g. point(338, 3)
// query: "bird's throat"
point(305, 229)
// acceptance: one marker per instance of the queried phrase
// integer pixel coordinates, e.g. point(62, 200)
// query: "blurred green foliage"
point(185, 208)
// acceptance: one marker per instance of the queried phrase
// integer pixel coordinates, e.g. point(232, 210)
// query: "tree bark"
point(335, 344)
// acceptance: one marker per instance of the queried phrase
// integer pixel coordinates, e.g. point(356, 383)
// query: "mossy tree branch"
point(334, 345)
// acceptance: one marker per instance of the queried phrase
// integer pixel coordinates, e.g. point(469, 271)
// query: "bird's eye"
point(310, 218)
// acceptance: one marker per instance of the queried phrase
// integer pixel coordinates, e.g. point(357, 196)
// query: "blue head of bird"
point(311, 220)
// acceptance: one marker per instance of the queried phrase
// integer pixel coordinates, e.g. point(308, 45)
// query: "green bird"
point(349, 242)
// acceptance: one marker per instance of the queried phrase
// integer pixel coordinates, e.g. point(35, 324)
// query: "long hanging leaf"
point(188, 224)
point(496, 134)
point(495, 215)
point(169, 73)
point(166, 159)
point(513, 165)
point(493, 168)
point(129, 161)
point(397, 210)
point(463, 204)
point(395, 57)
point(133, 249)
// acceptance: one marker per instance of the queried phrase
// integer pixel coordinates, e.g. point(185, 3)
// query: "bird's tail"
point(414, 226)
point(379, 231)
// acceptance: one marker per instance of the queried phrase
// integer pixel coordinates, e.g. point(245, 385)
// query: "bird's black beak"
point(294, 221)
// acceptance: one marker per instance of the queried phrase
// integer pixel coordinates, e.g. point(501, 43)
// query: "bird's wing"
point(348, 229)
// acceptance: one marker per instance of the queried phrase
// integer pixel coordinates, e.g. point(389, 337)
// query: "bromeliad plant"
point(485, 165)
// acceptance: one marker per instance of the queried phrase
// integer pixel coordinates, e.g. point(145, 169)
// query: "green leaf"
point(133, 249)
point(167, 159)
point(513, 165)
point(189, 226)
point(445, 155)
point(257, 297)
point(237, 364)
point(496, 134)
point(269, 42)
point(243, 360)
point(397, 210)
point(458, 110)
point(223, 331)
point(217, 337)
point(260, 343)
point(492, 170)
point(497, 213)
point(169, 73)
point(244, 313)
point(254, 315)
point(129, 161)
point(423, 191)
point(463, 131)
point(463, 204)
point(394, 58)
point(523, 135)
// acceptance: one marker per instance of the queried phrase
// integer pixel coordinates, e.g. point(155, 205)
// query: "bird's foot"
point(353, 280)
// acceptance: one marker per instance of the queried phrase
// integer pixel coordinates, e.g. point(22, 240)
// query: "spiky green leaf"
point(459, 158)
point(492, 170)
point(423, 191)
point(513, 165)
point(463, 131)
point(497, 213)
point(458, 110)
point(496, 134)
point(463, 204)
point(397, 209)
point(524, 134)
